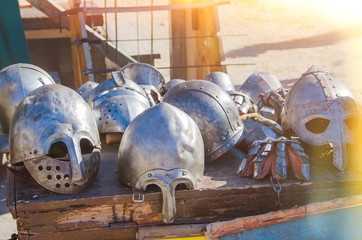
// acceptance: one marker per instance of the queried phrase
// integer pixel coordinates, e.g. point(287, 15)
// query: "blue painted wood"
point(340, 224)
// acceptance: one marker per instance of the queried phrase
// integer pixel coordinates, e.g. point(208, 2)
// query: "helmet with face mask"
point(214, 112)
point(266, 92)
point(55, 135)
point(144, 74)
point(162, 146)
point(16, 81)
point(320, 110)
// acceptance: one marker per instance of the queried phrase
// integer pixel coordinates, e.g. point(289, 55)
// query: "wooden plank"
point(177, 49)
point(218, 229)
point(51, 7)
point(80, 52)
point(46, 34)
point(10, 193)
point(44, 23)
point(123, 233)
point(222, 195)
point(206, 52)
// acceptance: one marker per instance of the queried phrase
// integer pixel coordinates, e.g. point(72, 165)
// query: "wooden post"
point(80, 53)
point(195, 41)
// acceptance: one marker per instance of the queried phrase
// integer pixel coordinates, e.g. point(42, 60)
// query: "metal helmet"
point(173, 82)
point(116, 102)
point(154, 97)
point(319, 109)
point(115, 86)
point(115, 113)
point(214, 112)
point(257, 84)
point(222, 80)
point(86, 89)
point(55, 135)
point(162, 146)
point(16, 81)
point(144, 74)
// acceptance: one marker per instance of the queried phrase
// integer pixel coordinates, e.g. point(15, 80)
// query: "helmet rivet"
point(199, 180)
point(183, 173)
point(167, 175)
point(150, 175)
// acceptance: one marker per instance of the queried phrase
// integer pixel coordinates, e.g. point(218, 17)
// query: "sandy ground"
point(271, 36)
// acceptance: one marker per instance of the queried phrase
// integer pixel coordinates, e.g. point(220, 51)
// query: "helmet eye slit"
point(59, 151)
point(317, 125)
point(86, 146)
point(351, 122)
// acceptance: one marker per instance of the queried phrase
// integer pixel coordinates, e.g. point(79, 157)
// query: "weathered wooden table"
point(106, 209)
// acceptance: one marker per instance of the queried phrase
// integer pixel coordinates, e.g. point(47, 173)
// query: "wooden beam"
point(51, 7)
point(46, 34)
point(205, 52)
point(80, 52)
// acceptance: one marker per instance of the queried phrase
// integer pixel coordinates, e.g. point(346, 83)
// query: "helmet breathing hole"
point(57, 168)
point(49, 177)
point(67, 185)
point(317, 125)
point(57, 185)
point(66, 176)
point(58, 177)
point(58, 150)
point(86, 146)
point(40, 168)
point(49, 168)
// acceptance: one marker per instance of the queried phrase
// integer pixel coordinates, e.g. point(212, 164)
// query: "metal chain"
point(277, 190)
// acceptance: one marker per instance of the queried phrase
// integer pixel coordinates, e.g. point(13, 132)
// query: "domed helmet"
point(144, 74)
point(259, 83)
point(267, 93)
point(116, 85)
point(86, 89)
point(222, 80)
point(116, 102)
point(154, 97)
point(214, 112)
point(243, 103)
point(16, 81)
point(320, 109)
point(55, 135)
point(173, 82)
point(162, 146)
point(114, 114)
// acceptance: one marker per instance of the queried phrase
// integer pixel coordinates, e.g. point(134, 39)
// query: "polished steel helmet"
point(222, 80)
point(86, 89)
point(162, 146)
point(259, 83)
point(214, 112)
point(173, 82)
point(320, 109)
point(55, 135)
point(154, 97)
point(115, 86)
point(116, 102)
point(16, 81)
point(114, 114)
point(144, 74)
